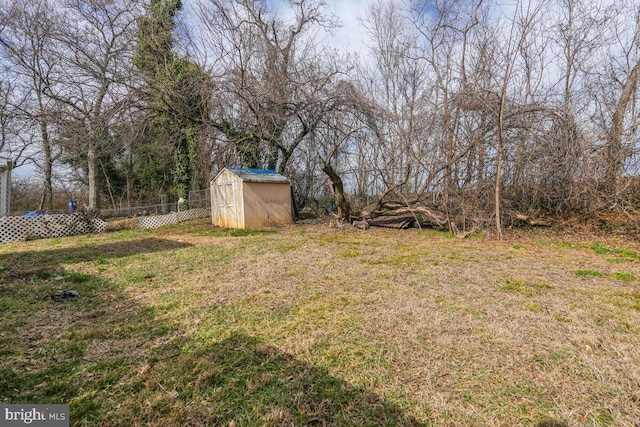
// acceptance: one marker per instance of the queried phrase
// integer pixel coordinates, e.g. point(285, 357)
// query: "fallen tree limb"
point(536, 221)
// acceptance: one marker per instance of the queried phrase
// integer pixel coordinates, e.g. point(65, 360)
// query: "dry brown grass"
point(410, 327)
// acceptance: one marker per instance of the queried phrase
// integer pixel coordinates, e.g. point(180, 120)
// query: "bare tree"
point(95, 58)
point(12, 126)
point(615, 153)
point(522, 23)
point(394, 82)
point(580, 30)
point(447, 35)
point(272, 84)
point(26, 39)
point(615, 90)
point(334, 139)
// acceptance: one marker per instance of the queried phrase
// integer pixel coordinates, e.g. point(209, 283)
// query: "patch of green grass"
point(400, 260)
point(628, 328)
point(588, 273)
point(600, 249)
point(243, 232)
point(558, 243)
point(630, 255)
point(603, 417)
point(76, 277)
point(248, 382)
point(625, 277)
point(43, 274)
point(86, 406)
point(203, 227)
point(350, 253)
point(283, 248)
point(625, 300)
point(435, 233)
point(439, 299)
point(622, 254)
point(394, 260)
point(100, 261)
point(136, 276)
point(518, 285)
point(525, 287)
point(519, 246)
point(534, 307)
point(456, 257)
point(343, 238)
point(297, 271)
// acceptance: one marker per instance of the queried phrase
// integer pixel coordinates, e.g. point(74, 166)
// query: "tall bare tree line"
point(479, 108)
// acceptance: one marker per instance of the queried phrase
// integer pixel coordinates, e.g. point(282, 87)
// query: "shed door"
point(227, 209)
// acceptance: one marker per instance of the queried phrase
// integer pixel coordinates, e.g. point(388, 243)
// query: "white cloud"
point(351, 36)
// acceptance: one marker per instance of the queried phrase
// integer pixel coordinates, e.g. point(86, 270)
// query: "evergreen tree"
point(176, 92)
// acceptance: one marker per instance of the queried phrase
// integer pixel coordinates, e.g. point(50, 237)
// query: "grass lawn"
point(306, 325)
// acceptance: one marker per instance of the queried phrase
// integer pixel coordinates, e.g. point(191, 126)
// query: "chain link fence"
point(200, 199)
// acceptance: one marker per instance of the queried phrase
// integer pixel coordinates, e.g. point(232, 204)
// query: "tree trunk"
point(498, 182)
point(46, 202)
point(615, 154)
point(93, 177)
point(272, 157)
point(344, 209)
point(129, 177)
point(182, 173)
point(286, 156)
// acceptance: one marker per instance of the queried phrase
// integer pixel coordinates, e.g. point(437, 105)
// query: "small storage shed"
point(250, 198)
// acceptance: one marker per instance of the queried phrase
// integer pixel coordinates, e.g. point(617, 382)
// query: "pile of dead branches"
point(461, 222)
point(393, 214)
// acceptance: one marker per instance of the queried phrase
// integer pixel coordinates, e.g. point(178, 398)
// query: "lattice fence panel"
point(193, 214)
point(158, 220)
point(17, 228)
point(173, 218)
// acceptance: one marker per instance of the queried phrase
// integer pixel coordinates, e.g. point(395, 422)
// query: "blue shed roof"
point(257, 175)
point(254, 171)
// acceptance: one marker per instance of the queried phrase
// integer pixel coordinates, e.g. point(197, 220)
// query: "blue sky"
point(350, 36)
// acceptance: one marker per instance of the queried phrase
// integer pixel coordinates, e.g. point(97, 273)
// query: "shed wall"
point(266, 204)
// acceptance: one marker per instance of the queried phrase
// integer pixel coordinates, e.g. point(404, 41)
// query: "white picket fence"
point(19, 228)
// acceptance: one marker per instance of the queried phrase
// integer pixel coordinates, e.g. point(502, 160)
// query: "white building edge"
point(5, 186)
